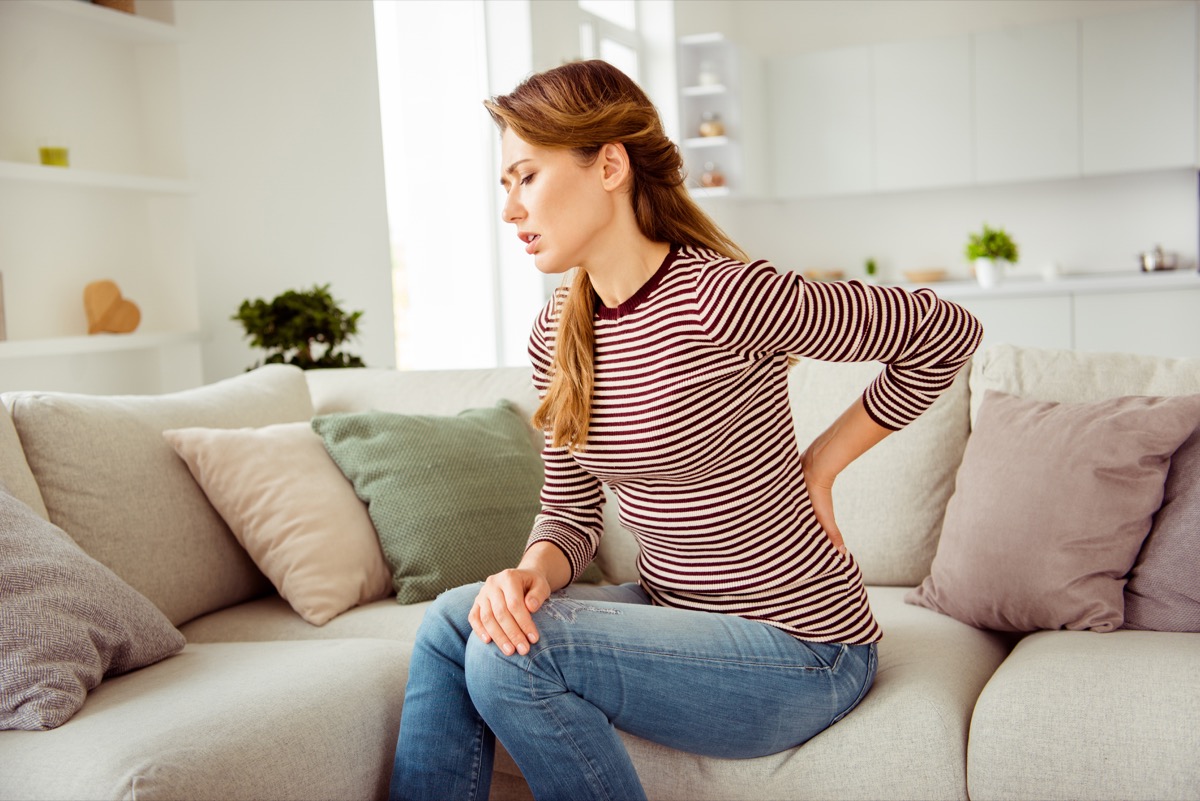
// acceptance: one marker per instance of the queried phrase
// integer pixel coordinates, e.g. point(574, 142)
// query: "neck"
point(617, 277)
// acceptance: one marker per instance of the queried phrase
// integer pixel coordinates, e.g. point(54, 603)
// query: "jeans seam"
point(593, 774)
point(714, 660)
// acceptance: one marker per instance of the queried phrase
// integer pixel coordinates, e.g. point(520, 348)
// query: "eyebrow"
point(512, 168)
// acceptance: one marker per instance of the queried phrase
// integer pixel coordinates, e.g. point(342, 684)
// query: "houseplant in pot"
point(306, 328)
point(990, 252)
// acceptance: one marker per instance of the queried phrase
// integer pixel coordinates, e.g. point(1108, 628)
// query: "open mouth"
point(530, 241)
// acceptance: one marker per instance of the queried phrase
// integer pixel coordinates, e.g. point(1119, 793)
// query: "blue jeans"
point(606, 659)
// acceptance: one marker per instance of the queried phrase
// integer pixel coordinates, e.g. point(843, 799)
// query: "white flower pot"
point(990, 272)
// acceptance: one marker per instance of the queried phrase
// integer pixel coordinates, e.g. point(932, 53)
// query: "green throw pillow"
point(453, 499)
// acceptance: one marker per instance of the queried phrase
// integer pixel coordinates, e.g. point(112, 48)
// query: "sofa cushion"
point(448, 392)
point(1052, 505)
point(1069, 376)
point(890, 518)
point(281, 720)
point(66, 622)
point(292, 509)
point(452, 498)
point(271, 618)
point(15, 474)
point(1163, 593)
point(1077, 714)
point(113, 483)
point(907, 739)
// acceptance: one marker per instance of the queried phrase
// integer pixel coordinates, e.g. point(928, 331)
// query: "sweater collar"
point(637, 298)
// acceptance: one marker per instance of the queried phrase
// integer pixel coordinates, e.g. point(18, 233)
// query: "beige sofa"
point(262, 705)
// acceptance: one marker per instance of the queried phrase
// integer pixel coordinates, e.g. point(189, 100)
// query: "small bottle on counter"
point(712, 176)
point(711, 125)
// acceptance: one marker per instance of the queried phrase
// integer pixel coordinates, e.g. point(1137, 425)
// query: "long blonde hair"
point(582, 106)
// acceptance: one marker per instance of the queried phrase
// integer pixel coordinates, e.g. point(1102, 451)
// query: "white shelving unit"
point(107, 85)
point(718, 77)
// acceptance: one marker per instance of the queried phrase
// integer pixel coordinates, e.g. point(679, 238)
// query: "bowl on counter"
point(926, 275)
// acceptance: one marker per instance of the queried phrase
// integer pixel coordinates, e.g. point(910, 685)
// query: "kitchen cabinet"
point(721, 82)
point(1139, 90)
point(922, 108)
point(822, 119)
point(1163, 323)
point(107, 84)
point(1026, 103)
point(1156, 314)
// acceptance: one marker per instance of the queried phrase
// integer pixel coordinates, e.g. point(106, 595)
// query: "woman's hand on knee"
point(503, 609)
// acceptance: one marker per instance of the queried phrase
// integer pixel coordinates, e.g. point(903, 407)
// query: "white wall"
point(1087, 225)
point(281, 114)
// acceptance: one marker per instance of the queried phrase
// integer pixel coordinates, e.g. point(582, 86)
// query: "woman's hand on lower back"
point(503, 609)
point(820, 495)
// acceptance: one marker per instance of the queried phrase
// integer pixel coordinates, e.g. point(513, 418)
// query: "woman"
point(662, 373)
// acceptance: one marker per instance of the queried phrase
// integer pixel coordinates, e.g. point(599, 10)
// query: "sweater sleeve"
point(923, 341)
point(572, 514)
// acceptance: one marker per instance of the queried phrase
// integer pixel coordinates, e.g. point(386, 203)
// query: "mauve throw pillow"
point(1163, 593)
point(66, 622)
point(1051, 506)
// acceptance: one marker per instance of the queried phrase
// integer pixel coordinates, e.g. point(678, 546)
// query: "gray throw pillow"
point(66, 622)
point(1163, 593)
point(453, 499)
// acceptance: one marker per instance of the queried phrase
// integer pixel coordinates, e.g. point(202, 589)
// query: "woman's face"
point(560, 207)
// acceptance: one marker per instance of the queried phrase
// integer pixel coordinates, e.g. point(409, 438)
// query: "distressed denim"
point(607, 660)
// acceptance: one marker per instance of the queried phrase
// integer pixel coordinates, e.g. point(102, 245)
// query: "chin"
point(549, 266)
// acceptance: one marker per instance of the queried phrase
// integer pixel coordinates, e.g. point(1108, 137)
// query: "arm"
point(851, 435)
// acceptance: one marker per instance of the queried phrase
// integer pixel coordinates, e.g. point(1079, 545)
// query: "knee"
point(492, 678)
point(447, 615)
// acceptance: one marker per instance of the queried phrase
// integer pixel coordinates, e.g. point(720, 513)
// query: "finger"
point(494, 632)
point(476, 624)
point(515, 619)
point(821, 499)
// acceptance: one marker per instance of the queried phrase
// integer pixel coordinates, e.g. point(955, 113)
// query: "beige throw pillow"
point(1051, 506)
point(293, 511)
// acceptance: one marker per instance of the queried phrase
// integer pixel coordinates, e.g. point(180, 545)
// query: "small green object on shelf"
point(871, 270)
point(304, 328)
point(54, 156)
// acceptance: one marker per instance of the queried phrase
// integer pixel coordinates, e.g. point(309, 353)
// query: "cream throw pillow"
point(293, 511)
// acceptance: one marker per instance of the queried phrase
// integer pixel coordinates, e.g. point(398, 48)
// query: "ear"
point(615, 169)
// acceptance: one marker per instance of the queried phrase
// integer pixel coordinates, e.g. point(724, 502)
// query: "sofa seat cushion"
point(272, 618)
point(907, 739)
point(297, 720)
point(1080, 714)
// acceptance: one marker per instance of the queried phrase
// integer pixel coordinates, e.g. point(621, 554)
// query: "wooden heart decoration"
point(107, 311)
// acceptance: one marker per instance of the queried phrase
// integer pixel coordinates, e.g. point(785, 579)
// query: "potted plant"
point(305, 328)
point(991, 252)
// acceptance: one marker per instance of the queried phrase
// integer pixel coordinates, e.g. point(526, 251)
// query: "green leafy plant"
point(991, 243)
point(871, 268)
point(305, 328)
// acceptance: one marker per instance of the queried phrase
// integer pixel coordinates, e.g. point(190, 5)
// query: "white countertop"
point(1072, 284)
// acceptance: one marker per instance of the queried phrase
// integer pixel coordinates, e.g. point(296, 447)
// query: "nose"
point(512, 211)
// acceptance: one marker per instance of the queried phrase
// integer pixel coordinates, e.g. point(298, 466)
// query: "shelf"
point(706, 141)
point(70, 176)
point(96, 343)
point(706, 89)
point(92, 20)
point(1078, 284)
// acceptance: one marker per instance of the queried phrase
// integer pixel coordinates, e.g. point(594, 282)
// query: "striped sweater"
point(692, 431)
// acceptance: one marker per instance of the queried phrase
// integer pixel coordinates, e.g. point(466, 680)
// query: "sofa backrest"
point(15, 474)
point(889, 503)
point(1067, 376)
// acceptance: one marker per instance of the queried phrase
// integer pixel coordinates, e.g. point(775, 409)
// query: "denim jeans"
point(606, 659)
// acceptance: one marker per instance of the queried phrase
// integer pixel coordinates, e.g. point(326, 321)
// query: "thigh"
point(702, 682)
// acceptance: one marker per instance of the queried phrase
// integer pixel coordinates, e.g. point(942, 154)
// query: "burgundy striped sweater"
point(692, 431)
